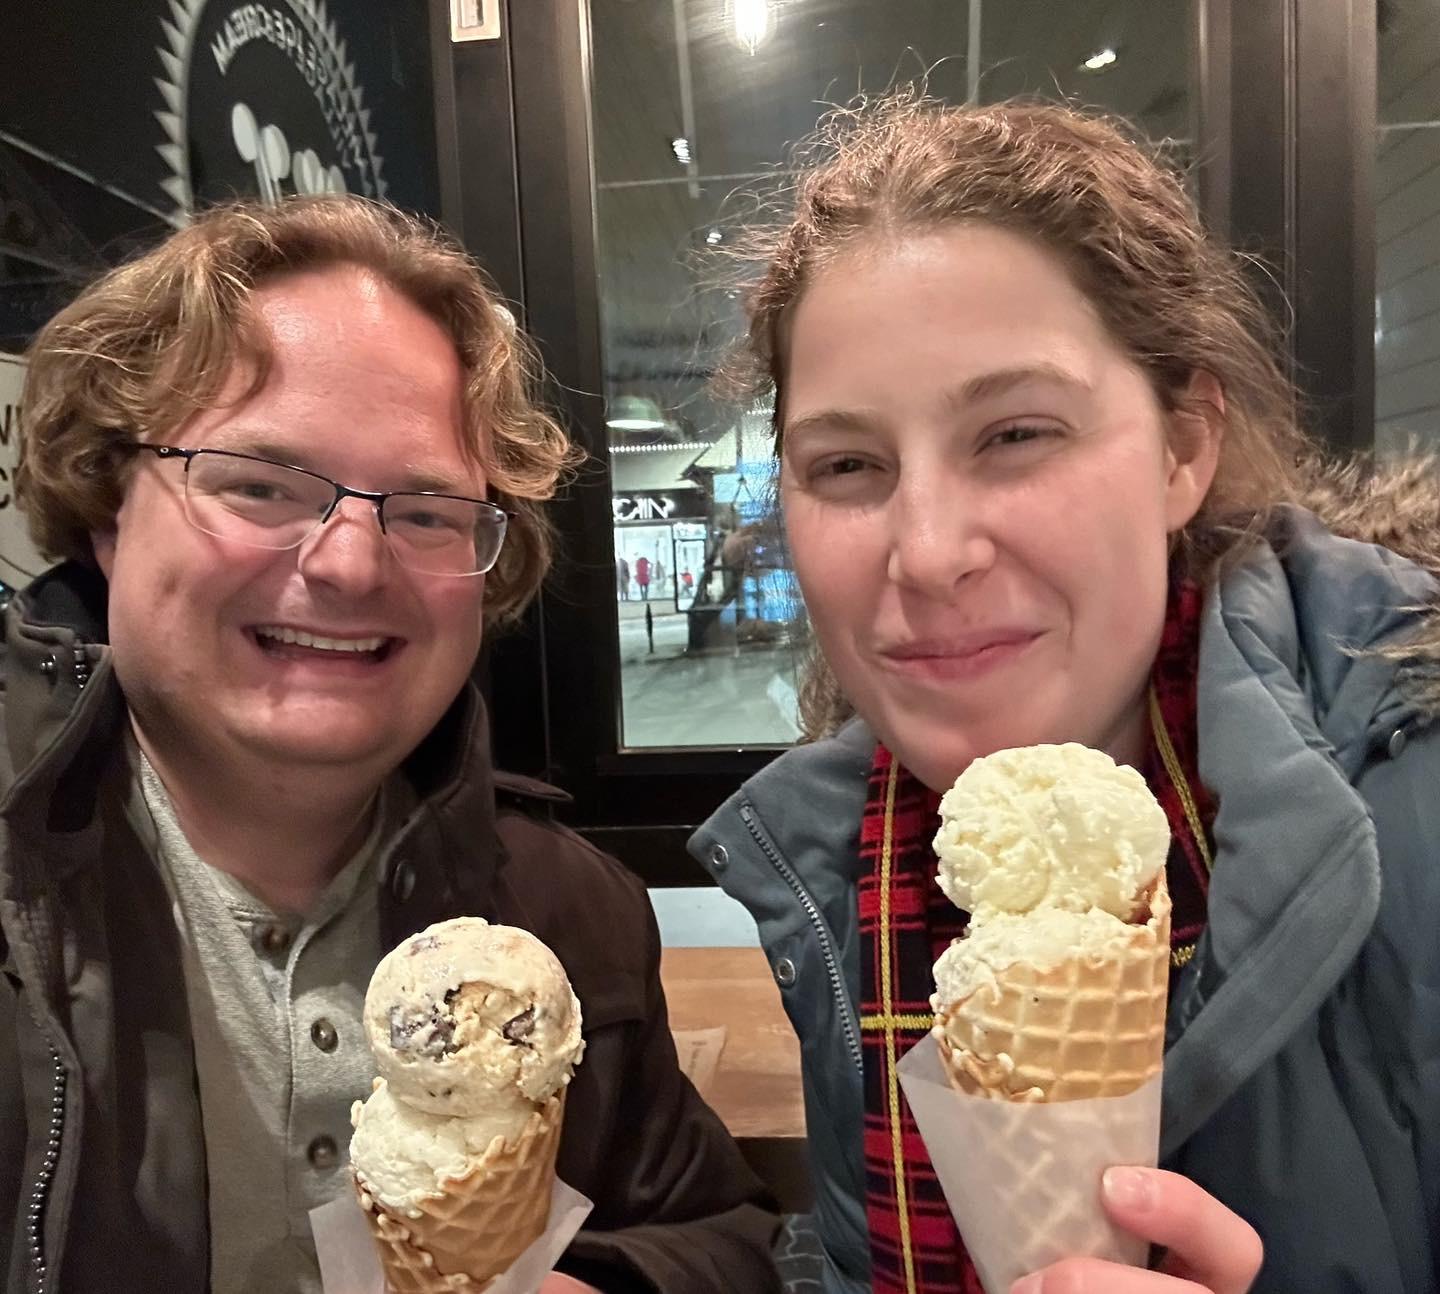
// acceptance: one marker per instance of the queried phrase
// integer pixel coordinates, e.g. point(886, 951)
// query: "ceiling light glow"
point(1101, 59)
point(750, 22)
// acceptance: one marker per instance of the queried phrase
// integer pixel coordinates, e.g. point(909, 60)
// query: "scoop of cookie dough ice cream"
point(470, 1018)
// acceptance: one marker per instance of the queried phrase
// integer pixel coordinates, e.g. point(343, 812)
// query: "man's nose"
point(940, 533)
point(348, 550)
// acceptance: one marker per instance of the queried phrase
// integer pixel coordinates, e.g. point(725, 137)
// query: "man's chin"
point(299, 746)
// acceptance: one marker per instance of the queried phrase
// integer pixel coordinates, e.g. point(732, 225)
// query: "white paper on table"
point(349, 1263)
point(1023, 1179)
point(698, 1051)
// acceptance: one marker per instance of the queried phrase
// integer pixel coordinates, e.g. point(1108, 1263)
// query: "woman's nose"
point(939, 535)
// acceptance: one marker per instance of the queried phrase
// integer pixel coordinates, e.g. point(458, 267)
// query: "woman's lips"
point(965, 657)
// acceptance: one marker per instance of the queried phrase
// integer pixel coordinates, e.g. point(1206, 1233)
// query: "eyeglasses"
point(272, 505)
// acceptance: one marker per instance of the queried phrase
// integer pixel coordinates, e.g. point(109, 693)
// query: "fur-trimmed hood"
point(1396, 506)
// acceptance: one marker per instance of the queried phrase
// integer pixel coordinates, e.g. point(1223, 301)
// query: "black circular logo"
point(260, 100)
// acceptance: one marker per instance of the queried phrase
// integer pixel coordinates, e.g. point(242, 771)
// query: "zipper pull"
point(81, 665)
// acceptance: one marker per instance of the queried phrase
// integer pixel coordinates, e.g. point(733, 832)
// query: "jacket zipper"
point(812, 912)
point(40, 1195)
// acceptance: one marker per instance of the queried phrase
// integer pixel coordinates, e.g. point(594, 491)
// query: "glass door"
point(695, 108)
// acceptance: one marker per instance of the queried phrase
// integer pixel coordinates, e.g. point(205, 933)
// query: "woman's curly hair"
point(1119, 218)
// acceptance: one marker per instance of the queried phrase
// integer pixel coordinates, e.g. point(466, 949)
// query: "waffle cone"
point(1082, 1029)
point(481, 1223)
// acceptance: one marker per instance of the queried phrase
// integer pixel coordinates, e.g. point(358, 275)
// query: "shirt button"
point(323, 1035)
point(273, 939)
point(719, 858)
point(322, 1153)
point(785, 972)
point(1397, 743)
point(402, 881)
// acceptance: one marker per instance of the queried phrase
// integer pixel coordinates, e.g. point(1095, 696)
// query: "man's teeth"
point(300, 638)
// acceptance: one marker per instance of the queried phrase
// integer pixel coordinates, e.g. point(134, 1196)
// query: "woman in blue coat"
point(1042, 482)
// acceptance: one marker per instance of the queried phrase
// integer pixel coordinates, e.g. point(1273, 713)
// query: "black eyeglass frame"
point(376, 497)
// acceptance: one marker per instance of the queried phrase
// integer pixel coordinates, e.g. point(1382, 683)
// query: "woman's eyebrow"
point(986, 386)
point(983, 386)
point(829, 420)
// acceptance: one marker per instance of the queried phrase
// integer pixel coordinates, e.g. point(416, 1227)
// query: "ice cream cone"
point(481, 1222)
point(1023, 1178)
point(1081, 1029)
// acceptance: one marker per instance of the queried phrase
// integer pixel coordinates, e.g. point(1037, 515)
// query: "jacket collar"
point(1288, 713)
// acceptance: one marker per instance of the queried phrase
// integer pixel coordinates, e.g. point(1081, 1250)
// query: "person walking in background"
point(642, 577)
point(1042, 482)
point(622, 579)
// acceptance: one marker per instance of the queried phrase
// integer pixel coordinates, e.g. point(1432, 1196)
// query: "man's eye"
point(428, 521)
point(257, 491)
point(433, 521)
point(842, 466)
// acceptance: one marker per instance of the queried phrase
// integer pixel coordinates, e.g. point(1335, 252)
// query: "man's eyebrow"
point(292, 456)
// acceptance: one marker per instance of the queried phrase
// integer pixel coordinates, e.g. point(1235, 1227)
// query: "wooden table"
point(756, 1088)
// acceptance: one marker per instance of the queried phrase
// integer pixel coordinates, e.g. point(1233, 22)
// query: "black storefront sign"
point(116, 121)
point(263, 99)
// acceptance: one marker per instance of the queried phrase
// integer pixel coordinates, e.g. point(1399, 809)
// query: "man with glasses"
point(291, 464)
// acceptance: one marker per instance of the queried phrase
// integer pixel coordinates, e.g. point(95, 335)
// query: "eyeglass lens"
point(270, 505)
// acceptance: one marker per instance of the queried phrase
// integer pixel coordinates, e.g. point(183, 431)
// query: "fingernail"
point(1129, 1188)
point(1028, 1284)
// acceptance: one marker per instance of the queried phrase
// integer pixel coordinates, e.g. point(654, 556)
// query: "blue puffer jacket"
point(1302, 1070)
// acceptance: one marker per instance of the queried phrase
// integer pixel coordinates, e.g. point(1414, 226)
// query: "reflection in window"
point(1407, 226)
point(697, 103)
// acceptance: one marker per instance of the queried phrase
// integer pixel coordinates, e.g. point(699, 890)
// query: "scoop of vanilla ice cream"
point(406, 1155)
point(468, 1017)
point(1049, 826)
point(1041, 940)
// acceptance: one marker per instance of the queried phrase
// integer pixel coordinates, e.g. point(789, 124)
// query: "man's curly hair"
point(153, 342)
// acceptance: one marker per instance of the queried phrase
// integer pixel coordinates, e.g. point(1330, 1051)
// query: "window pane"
point(696, 105)
point(1407, 225)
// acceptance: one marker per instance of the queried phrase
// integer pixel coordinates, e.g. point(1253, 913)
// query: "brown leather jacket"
point(102, 1160)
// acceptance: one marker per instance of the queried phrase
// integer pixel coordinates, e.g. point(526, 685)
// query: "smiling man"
point(292, 464)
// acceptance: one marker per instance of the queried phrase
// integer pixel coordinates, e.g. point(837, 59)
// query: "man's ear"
point(1195, 429)
point(103, 542)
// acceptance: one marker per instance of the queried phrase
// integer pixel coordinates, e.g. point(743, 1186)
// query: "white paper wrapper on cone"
point(1023, 1178)
point(350, 1265)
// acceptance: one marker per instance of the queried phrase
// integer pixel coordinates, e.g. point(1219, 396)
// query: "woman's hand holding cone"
point(1209, 1248)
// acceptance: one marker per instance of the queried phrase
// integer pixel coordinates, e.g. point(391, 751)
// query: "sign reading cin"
point(641, 507)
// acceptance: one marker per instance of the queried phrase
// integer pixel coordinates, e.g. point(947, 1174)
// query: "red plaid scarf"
point(914, 1245)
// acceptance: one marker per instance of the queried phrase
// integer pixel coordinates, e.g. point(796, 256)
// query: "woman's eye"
point(1018, 435)
point(841, 467)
